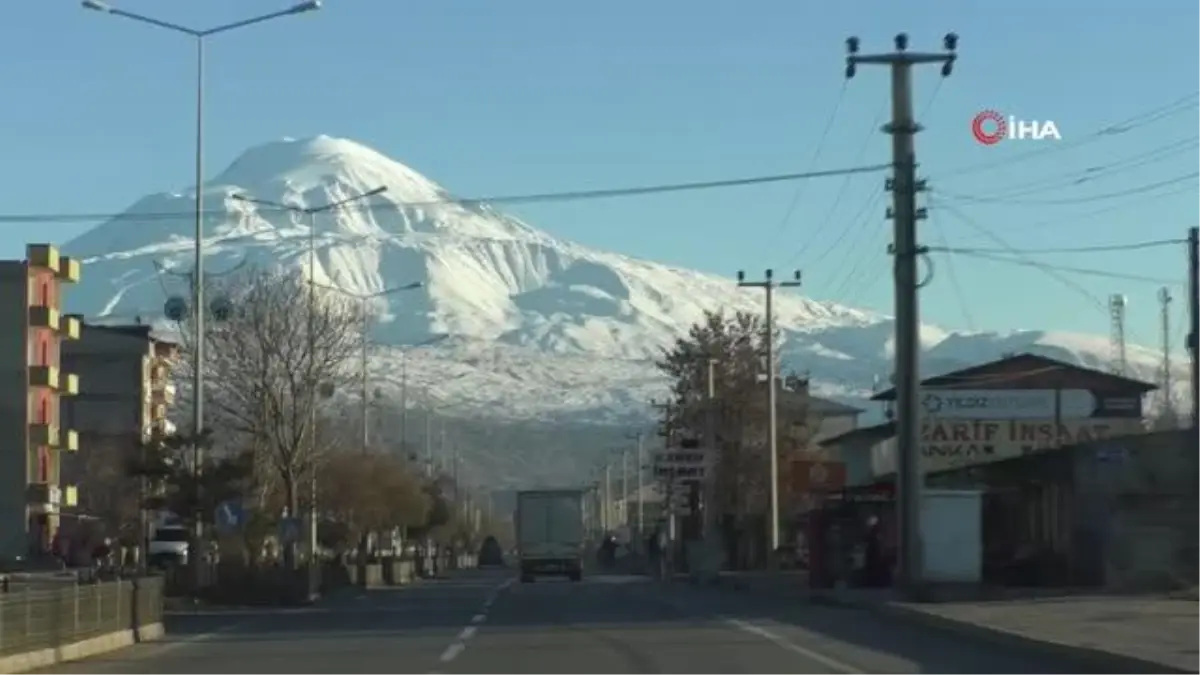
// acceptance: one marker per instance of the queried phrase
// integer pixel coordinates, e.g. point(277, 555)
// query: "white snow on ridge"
point(543, 328)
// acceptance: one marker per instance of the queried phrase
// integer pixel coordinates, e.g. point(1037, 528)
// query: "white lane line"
point(479, 618)
point(833, 664)
point(467, 633)
point(452, 652)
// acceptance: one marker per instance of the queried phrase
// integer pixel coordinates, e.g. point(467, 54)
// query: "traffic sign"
point(229, 516)
point(289, 530)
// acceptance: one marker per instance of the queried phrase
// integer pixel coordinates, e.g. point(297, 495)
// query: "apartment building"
point(32, 437)
point(124, 399)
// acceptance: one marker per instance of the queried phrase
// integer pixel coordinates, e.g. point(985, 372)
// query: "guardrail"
point(41, 624)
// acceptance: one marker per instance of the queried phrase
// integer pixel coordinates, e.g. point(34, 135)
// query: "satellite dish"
point(221, 308)
point(175, 308)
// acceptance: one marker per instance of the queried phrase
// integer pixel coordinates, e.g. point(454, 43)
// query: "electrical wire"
point(800, 187)
point(1095, 173)
point(837, 199)
point(1137, 190)
point(955, 286)
point(535, 198)
point(1127, 125)
point(1087, 216)
point(1048, 270)
point(1134, 246)
point(1074, 270)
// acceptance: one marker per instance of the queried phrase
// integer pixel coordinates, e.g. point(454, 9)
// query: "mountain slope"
point(541, 327)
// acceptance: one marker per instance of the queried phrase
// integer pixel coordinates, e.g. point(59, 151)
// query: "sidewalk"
point(1103, 633)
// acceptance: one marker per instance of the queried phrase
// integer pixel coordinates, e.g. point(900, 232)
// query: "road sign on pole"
point(229, 517)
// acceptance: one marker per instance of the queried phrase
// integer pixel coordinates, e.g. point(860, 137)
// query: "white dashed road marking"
point(460, 643)
point(833, 664)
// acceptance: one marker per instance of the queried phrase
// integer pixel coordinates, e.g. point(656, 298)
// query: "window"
point(45, 294)
point(43, 351)
point(43, 410)
point(43, 466)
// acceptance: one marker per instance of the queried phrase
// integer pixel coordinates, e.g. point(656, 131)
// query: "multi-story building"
point(32, 436)
point(124, 400)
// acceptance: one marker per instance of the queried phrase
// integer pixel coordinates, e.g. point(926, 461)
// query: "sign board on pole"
point(229, 517)
point(997, 404)
point(289, 530)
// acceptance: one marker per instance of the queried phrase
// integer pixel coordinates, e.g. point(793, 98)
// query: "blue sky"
point(538, 95)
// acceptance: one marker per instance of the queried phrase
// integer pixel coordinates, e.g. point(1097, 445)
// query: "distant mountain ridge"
point(541, 328)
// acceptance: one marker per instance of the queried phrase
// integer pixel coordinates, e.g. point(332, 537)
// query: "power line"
point(1068, 249)
point(1074, 270)
point(799, 191)
point(1087, 216)
point(535, 198)
point(1138, 121)
point(1094, 173)
point(1140, 189)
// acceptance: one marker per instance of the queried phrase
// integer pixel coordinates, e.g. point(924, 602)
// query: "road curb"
point(1089, 659)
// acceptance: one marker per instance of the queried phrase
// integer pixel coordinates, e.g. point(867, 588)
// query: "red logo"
point(989, 127)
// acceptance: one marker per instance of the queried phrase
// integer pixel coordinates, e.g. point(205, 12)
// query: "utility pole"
point(1193, 244)
point(768, 284)
point(366, 400)
point(607, 510)
point(1168, 400)
point(624, 515)
point(640, 473)
point(905, 251)
point(709, 526)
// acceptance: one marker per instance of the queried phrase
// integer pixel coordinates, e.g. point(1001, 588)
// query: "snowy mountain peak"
point(297, 167)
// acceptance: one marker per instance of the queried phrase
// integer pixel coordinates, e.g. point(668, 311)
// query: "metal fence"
point(43, 616)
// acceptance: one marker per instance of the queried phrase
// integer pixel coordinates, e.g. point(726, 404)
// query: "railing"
point(46, 615)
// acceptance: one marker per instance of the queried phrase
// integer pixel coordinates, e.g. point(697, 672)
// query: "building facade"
point(32, 434)
point(124, 400)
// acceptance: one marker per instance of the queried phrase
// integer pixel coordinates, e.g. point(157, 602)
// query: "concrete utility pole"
point(709, 526)
point(1193, 244)
point(606, 512)
point(905, 250)
point(768, 284)
point(624, 513)
point(667, 432)
point(1164, 308)
point(640, 473)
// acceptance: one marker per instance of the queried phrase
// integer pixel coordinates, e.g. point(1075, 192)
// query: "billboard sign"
point(954, 443)
point(1002, 404)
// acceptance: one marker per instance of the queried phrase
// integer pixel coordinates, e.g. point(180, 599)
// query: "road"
point(484, 622)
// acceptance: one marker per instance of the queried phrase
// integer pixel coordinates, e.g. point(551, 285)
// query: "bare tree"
point(268, 359)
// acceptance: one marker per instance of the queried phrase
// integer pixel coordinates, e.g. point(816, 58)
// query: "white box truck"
point(550, 533)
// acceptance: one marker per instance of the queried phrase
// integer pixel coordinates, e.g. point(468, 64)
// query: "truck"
point(551, 533)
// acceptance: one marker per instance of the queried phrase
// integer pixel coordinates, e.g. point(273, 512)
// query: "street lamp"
point(363, 299)
point(198, 264)
point(404, 385)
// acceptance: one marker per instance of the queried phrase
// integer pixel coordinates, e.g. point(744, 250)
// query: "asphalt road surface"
point(486, 622)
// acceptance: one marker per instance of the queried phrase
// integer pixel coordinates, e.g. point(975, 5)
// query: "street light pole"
point(198, 307)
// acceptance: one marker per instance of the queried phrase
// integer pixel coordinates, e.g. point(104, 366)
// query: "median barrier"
point(40, 627)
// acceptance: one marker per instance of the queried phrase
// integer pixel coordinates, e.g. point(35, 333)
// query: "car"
point(490, 553)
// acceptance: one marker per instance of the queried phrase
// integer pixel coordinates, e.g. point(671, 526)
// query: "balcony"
point(70, 441)
point(68, 269)
point(70, 385)
point(43, 497)
point(43, 255)
point(44, 317)
point(42, 434)
point(44, 376)
point(158, 412)
point(164, 392)
point(70, 495)
point(72, 326)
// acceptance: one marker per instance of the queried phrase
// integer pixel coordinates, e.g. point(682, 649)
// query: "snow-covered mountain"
point(540, 327)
